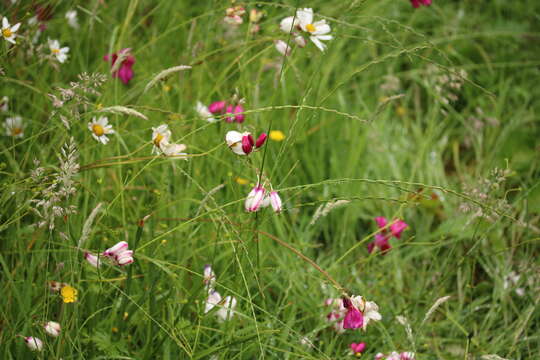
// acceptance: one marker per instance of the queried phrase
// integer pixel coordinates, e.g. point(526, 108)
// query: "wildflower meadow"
point(270, 179)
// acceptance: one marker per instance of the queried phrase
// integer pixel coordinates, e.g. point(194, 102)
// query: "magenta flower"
point(418, 3)
point(234, 113)
point(359, 348)
point(383, 237)
point(124, 71)
point(354, 319)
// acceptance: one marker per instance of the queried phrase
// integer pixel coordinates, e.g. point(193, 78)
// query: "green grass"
point(344, 141)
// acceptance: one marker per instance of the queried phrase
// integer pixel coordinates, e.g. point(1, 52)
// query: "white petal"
point(305, 16)
point(15, 27)
point(321, 27)
point(318, 43)
point(5, 23)
point(288, 24)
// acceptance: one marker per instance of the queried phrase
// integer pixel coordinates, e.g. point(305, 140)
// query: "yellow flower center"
point(311, 28)
point(158, 139)
point(98, 129)
point(16, 131)
point(7, 32)
point(55, 51)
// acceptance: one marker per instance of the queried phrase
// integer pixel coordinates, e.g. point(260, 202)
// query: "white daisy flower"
point(176, 150)
point(204, 113)
point(56, 50)
point(100, 129)
point(4, 104)
point(8, 32)
point(14, 126)
point(318, 30)
point(159, 135)
point(72, 20)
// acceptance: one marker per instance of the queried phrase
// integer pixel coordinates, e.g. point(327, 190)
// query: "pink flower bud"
point(254, 199)
point(116, 249)
point(247, 146)
point(217, 107)
point(275, 201)
point(358, 348)
point(260, 140)
point(229, 114)
point(52, 328)
point(239, 117)
point(33, 343)
point(92, 259)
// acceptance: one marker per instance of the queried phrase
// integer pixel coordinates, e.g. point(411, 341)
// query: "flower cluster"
point(119, 254)
point(243, 143)
point(258, 197)
point(302, 24)
point(383, 237)
point(351, 313)
point(232, 112)
point(225, 305)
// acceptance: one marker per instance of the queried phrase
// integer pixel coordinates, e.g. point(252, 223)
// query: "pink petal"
point(397, 228)
point(353, 319)
point(381, 221)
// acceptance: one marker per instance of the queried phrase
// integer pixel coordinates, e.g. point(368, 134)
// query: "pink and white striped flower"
point(120, 254)
point(52, 328)
point(92, 259)
point(33, 343)
point(255, 198)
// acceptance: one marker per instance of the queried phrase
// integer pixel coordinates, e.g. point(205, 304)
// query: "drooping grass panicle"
point(87, 228)
point(163, 74)
point(435, 306)
point(325, 209)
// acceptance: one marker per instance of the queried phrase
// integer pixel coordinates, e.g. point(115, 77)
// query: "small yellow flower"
point(277, 135)
point(401, 111)
point(114, 329)
point(241, 181)
point(99, 106)
point(166, 88)
point(69, 294)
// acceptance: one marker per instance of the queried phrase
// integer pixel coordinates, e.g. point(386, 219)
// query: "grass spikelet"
point(325, 209)
point(118, 109)
point(434, 307)
point(163, 74)
point(88, 225)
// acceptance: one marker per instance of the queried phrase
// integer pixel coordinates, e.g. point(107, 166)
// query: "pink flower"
point(247, 144)
point(337, 314)
point(397, 228)
point(120, 254)
point(359, 348)
point(125, 71)
point(217, 107)
point(92, 259)
point(254, 199)
point(116, 249)
point(383, 237)
point(260, 140)
point(354, 319)
point(417, 3)
point(275, 201)
point(232, 112)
